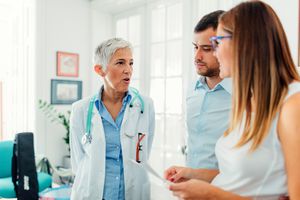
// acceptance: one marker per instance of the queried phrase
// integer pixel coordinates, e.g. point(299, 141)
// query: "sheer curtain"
point(16, 67)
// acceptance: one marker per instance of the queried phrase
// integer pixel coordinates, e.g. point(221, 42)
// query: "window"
point(129, 28)
point(160, 53)
point(16, 67)
point(166, 80)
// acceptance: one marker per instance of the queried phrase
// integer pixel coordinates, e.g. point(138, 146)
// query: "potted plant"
point(57, 117)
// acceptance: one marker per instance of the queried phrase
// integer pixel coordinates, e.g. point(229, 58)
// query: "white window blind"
point(17, 66)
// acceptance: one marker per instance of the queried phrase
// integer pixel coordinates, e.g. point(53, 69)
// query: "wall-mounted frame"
point(65, 91)
point(67, 64)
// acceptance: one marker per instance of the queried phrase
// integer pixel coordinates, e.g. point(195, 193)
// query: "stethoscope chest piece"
point(87, 138)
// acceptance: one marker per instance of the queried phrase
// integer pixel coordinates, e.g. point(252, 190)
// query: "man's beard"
point(208, 72)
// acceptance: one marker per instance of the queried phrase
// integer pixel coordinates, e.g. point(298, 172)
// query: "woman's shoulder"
point(293, 88)
point(147, 99)
point(82, 103)
point(148, 102)
point(292, 102)
point(290, 110)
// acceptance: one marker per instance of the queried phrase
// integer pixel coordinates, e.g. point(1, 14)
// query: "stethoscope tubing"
point(87, 137)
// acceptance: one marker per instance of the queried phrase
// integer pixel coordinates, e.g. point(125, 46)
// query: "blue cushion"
point(45, 181)
point(7, 186)
point(6, 151)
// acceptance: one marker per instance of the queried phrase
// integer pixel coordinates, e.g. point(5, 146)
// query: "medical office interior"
point(38, 37)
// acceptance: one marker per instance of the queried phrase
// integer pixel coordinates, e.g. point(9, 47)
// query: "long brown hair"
point(262, 68)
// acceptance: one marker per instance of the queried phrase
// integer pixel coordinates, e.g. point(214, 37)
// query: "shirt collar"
point(226, 84)
point(200, 82)
point(125, 100)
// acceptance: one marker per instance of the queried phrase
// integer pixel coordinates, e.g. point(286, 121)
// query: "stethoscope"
point(87, 137)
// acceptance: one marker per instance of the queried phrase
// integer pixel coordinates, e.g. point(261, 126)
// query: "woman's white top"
point(255, 174)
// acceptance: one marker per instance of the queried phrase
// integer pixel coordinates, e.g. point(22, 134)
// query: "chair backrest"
point(6, 151)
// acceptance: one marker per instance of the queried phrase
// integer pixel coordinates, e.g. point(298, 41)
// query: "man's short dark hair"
point(208, 21)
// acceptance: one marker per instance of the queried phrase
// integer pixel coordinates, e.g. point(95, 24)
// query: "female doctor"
point(112, 131)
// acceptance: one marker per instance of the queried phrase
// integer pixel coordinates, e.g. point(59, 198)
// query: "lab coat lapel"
point(131, 117)
point(127, 110)
point(126, 115)
point(131, 120)
point(97, 126)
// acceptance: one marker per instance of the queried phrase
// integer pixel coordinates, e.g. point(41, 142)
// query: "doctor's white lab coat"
point(88, 160)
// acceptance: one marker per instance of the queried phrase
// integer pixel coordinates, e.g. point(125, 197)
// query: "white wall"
point(60, 26)
point(288, 14)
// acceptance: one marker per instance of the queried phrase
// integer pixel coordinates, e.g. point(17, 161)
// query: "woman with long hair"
point(259, 154)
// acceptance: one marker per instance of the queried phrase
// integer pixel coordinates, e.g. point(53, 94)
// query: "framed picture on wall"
point(65, 91)
point(67, 64)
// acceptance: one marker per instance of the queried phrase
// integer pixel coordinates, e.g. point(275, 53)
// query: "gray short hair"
point(106, 49)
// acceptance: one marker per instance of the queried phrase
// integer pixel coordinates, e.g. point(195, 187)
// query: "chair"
point(65, 175)
point(6, 184)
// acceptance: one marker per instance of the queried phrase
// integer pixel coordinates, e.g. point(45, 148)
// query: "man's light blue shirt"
point(114, 187)
point(207, 118)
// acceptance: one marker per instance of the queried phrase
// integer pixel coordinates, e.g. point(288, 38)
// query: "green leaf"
point(56, 117)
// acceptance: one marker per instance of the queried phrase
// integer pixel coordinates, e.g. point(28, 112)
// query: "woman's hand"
point(178, 174)
point(192, 189)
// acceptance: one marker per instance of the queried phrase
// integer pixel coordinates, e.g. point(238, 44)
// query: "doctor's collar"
point(125, 100)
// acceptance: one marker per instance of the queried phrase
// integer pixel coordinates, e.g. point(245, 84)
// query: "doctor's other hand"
point(192, 189)
point(178, 174)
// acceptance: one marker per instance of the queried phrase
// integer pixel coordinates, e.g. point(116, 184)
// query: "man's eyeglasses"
point(215, 40)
